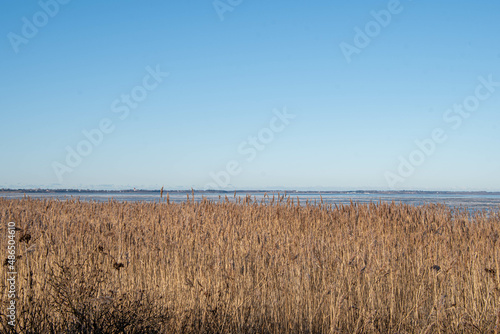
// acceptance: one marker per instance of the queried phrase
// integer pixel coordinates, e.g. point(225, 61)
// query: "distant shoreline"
point(282, 191)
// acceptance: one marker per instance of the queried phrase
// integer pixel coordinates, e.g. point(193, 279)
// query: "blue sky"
point(356, 116)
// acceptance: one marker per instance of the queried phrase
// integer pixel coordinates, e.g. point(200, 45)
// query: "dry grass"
point(252, 268)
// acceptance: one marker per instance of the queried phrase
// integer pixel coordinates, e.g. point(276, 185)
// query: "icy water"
point(471, 201)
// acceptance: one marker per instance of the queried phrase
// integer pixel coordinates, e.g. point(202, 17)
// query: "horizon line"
point(242, 190)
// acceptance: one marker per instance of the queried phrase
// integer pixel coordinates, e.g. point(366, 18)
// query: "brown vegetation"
point(249, 267)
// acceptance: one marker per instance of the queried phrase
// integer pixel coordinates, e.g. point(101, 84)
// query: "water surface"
point(471, 201)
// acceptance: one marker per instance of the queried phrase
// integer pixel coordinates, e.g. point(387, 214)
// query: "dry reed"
point(252, 267)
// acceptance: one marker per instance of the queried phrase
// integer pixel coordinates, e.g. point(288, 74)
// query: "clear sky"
point(258, 95)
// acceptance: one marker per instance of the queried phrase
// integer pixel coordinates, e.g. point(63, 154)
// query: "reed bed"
point(252, 267)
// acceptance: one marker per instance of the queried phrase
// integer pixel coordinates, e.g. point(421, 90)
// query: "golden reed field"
point(251, 267)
